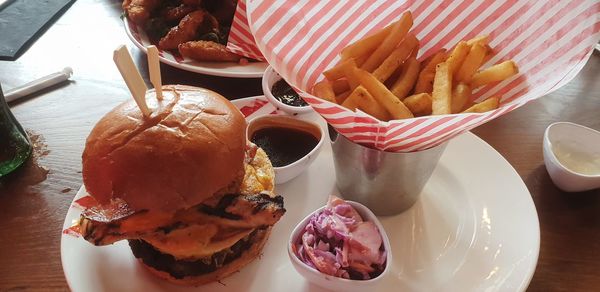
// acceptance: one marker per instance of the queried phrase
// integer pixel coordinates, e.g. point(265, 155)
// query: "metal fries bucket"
point(386, 182)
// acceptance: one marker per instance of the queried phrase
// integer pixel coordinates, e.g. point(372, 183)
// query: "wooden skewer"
point(132, 78)
point(154, 67)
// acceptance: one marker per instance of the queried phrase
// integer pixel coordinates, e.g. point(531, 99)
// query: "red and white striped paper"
point(549, 40)
point(240, 40)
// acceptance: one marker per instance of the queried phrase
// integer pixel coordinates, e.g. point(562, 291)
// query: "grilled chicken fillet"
point(234, 211)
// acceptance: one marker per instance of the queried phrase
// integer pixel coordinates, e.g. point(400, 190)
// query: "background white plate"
point(475, 228)
point(225, 69)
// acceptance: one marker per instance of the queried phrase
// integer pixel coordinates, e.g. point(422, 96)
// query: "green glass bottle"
point(15, 146)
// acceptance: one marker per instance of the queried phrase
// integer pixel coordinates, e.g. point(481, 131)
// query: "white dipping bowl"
point(336, 283)
point(269, 78)
point(287, 172)
point(583, 140)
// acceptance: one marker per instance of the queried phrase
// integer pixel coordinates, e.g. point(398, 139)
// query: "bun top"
point(192, 145)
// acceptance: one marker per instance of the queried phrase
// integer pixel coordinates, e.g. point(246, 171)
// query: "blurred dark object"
point(15, 146)
point(223, 10)
point(23, 21)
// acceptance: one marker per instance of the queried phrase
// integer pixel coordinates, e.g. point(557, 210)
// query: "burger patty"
point(179, 269)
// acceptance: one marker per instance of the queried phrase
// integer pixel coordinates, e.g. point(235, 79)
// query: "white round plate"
point(475, 228)
point(225, 69)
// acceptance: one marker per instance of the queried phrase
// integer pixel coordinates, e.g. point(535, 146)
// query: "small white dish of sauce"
point(281, 94)
point(572, 156)
point(291, 144)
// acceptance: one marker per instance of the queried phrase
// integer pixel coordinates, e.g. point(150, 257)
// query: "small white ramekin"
point(269, 78)
point(332, 282)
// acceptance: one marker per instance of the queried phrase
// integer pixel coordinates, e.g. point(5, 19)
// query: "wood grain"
point(31, 217)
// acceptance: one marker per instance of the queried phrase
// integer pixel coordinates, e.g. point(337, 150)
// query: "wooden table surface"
point(32, 214)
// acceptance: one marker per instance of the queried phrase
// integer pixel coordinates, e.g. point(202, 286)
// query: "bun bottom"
point(245, 258)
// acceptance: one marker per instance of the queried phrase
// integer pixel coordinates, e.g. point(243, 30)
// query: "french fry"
point(367, 44)
point(340, 98)
point(372, 107)
point(398, 32)
point(425, 80)
point(352, 78)
point(460, 97)
point(495, 73)
point(442, 90)
point(362, 59)
point(406, 80)
point(489, 53)
point(457, 56)
point(338, 70)
point(396, 58)
point(419, 104)
point(427, 60)
point(415, 51)
point(340, 85)
point(323, 90)
point(350, 101)
point(484, 106)
point(364, 101)
point(482, 39)
point(385, 97)
point(471, 63)
point(394, 77)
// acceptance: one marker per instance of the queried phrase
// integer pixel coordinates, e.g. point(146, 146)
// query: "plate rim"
point(524, 283)
point(188, 67)
point(531, 270)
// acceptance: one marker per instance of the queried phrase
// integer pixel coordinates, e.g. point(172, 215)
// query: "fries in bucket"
point(381, 76)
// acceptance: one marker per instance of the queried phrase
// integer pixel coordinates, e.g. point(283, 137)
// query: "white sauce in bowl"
point(569, 155)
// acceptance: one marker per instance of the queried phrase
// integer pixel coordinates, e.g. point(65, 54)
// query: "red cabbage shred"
point(338, 242)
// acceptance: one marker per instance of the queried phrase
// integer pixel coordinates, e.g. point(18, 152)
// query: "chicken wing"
point(175, 14)
point(139, 11)
point(192, 2)
point(207, 51)
point(186, 30)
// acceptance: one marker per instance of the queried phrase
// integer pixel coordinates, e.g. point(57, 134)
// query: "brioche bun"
point(192, 145)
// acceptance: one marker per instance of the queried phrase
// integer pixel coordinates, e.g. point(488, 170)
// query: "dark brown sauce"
point(284, 145)
point(284, 93)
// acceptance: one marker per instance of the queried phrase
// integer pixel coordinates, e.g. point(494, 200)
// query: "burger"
point(192, 196)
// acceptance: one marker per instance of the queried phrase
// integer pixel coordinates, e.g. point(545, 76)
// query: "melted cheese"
point(196, 241)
